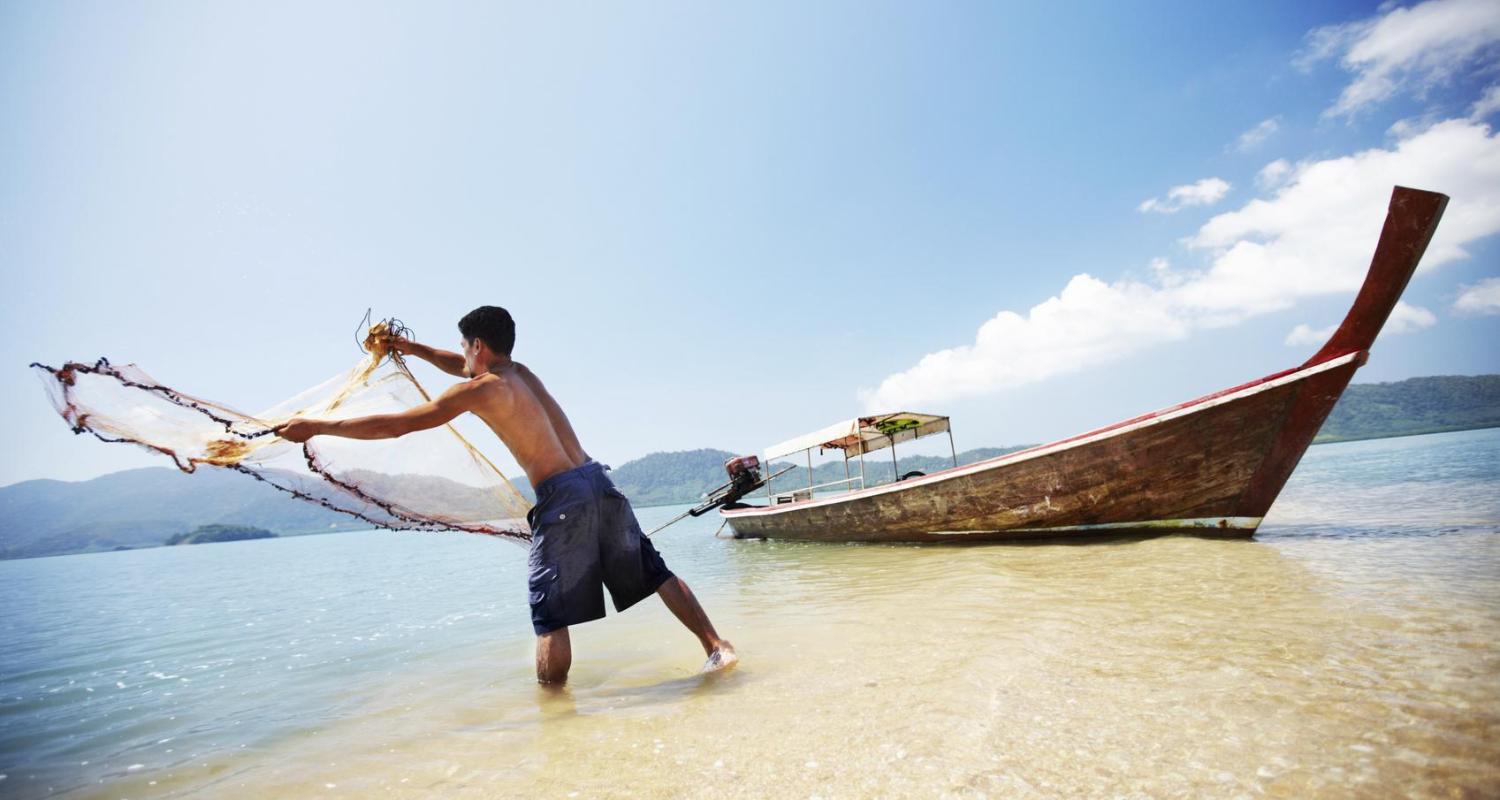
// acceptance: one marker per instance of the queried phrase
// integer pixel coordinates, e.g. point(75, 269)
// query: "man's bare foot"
point(723, 657)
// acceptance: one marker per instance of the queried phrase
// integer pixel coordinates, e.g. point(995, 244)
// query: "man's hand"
point(451, 363)
point(401, 344)
point(298, 429)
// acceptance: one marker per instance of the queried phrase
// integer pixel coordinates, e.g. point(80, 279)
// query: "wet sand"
point(1170, 667)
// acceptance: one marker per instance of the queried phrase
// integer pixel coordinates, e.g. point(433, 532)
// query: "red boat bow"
point(1409, 224)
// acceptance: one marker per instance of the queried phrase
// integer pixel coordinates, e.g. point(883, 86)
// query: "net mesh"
point(432, 480)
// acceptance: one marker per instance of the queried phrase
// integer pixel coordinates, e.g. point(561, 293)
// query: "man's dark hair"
point(491, 325)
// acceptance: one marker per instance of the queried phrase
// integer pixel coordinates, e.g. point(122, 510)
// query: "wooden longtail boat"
point(1208, 466)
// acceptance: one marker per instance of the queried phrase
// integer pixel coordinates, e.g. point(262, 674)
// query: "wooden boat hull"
point(1211, 466)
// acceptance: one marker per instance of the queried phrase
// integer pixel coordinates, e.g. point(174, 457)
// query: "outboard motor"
point(744, 478)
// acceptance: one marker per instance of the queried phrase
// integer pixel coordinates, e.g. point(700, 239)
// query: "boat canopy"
point(863, 434)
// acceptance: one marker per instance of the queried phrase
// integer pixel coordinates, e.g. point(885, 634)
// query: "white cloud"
point(1272, 174)
point(1411, 126)
point(1313, 237)
point(1203, 193)
point(1487, 104)
point(1481, 298)
point(1406, 318)
point(1161, 270)
point(1306, 335)
point(1252, 138)
point(1407, 49)
point(1089, 322)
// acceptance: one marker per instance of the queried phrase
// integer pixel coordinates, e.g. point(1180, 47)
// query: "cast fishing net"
point(432, 480)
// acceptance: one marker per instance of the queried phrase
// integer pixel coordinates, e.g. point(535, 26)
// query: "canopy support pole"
point(861, 465)
point(809, 471)
point(895, 470)
point(951, 448)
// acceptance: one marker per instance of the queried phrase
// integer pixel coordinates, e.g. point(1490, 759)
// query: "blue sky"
point(724, 227)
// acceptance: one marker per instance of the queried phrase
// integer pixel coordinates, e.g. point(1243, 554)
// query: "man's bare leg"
point(683, 605)
point(554, 655)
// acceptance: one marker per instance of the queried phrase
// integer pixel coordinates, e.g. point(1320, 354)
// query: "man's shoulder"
point(485, 385)
point(487, 381)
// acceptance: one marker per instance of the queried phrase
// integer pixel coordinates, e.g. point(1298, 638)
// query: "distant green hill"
point(208, 534)
point(145, 507)
point(662, 478)
point(1366, 411)
point(684, 477)
point(1416, 405)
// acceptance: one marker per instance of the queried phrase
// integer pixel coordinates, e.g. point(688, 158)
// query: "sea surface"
point(1352, 648)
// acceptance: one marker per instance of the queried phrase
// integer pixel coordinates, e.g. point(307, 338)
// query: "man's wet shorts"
point(584, 537)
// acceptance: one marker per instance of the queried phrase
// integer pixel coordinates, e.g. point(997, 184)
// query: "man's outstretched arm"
point(445, 360)
point(456, 400)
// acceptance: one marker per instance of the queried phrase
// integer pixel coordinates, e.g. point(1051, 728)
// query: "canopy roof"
point(863, 434)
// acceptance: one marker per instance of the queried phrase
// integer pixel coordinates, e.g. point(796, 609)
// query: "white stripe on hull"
point(1215, 523)
point(1238, 525)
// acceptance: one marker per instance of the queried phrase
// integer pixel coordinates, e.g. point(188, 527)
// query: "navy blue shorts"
point(584, 537)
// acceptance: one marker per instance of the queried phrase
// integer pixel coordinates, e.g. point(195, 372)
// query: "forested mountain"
point(146, 507)
point(662, 478)
point(1415, 405)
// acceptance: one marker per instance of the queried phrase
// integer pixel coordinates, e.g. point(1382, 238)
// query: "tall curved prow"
point(1409, 224)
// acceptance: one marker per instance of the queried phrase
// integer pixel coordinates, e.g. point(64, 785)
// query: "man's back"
point(560, 425)
point(517, 407)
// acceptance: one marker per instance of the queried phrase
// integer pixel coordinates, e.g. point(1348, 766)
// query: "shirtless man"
point(584, 534)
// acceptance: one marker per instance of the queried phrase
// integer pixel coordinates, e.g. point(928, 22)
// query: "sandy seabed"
point(1171, 667)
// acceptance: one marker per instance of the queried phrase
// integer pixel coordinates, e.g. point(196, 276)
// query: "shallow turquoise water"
point(359, 662)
